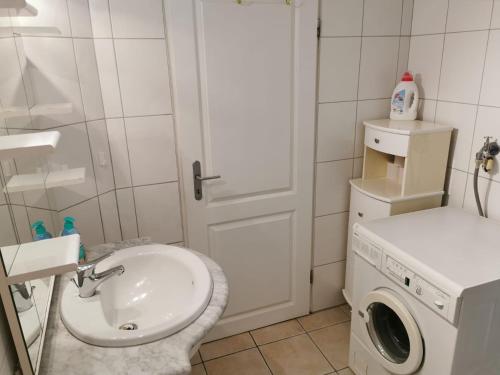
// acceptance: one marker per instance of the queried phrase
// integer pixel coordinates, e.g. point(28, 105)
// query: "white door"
point(244, 78)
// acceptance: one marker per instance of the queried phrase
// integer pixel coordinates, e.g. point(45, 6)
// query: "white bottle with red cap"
point(404, 102)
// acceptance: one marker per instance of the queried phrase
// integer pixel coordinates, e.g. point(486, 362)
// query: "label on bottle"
point(398, 101)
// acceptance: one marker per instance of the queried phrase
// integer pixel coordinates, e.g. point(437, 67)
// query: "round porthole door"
point(392, 333)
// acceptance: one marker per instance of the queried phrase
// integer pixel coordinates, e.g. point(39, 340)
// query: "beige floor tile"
point(346, 371)
point(198, 370)
point(277, 332)
point(295, 356)
point(226, 346)
point(334, 343)
point(247, 362)
point(323, 318)
point(195, 359)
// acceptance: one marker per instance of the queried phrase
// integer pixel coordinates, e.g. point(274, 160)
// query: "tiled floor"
point(316, 344)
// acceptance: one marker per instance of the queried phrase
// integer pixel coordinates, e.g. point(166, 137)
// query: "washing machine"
point(426, 295)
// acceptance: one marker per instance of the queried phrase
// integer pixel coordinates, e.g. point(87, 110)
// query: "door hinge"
point(318, 28)
point(311, 276)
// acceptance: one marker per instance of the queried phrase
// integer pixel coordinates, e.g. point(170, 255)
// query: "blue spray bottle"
point(40, 231)
point(68, 229)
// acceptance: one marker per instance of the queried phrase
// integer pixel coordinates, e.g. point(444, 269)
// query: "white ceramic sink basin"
point(164, 288)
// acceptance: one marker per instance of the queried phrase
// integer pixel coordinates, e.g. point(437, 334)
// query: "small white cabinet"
point(404, 169)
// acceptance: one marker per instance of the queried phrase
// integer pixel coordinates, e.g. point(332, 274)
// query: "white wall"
point(111, 63)
point(363, 52)
point(455, 46)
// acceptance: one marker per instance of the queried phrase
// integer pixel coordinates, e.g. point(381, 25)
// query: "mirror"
point(48, 81)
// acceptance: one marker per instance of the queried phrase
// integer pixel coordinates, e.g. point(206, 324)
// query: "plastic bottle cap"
point(39, 227)
point(407, 77)
point(69, 222)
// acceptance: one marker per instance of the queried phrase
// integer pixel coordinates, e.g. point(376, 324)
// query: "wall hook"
point(239, 2)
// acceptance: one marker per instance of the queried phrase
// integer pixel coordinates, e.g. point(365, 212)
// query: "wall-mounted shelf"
point(37, 110)
point(13, 4)
point(39, 259)
point(30, 144)
point(37, 181)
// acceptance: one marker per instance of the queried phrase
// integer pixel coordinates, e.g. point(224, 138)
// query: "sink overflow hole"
point(128, 327)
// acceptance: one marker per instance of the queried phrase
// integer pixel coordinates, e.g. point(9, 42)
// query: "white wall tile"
point(461, 117)
point(427, 110)
point(7, 235)
point(456, 188)
point(88, 221)
point(101, 156)
point(379, 64)
point(467, 15)
point(332, 187)
point(108, 77)
point(403, 57)
point(407, 17)
point(144, 79)
point(110, 221)
point(336, 128)
point(126, 211)
point(100, 19)
point(495, 19)
point(338, 69)
point(330, 238)
point(429, 16)
point(73, 151)
point(79, 16)
point(54, 78)
point(151, 145)
point(159, 213)
point(489, 194)
point(137, 19)
point(88, 74)
point(341, 17)
point(425, 63)
point(22, 223)
point(487, 124)
point(119, 152)
point(462, 69)
point(382, 17)
point(490, 91)
point(327, 286)
point(369, 110)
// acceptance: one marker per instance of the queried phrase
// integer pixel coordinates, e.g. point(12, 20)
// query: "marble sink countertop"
point(64, 354)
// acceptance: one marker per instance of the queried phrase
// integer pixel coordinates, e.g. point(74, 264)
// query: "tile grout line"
point(261, 354)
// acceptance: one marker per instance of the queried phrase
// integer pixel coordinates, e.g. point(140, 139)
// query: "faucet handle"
point(86, 269)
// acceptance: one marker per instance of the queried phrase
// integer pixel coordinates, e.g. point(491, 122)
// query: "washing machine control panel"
point(412, 282)
point(430, 295)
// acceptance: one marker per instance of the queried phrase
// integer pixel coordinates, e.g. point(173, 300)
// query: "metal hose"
point(476, 192)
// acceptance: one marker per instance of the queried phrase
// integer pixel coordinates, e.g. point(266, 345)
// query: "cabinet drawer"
point(365, 208)
point(390, 143)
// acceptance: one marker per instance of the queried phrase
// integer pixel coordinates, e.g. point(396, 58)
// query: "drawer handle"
point(377, 140)
point(360, 214)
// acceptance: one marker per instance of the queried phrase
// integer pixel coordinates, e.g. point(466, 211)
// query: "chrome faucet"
point(87, 280)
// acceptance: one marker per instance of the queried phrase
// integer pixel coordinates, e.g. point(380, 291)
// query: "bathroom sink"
point(163, 289)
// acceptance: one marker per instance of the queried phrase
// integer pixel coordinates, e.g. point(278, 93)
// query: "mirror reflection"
point(42, 90)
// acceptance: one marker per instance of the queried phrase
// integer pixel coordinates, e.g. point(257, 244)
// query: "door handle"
point(198, 179)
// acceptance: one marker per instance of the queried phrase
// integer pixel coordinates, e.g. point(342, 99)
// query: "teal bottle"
point(41, 232)
point(68, 229)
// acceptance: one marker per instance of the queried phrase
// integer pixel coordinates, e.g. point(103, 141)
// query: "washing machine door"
point(391, 332)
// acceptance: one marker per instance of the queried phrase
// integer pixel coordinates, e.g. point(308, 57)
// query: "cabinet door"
point(363, 208)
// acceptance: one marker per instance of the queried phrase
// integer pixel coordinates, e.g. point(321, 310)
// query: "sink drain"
point(128, 327)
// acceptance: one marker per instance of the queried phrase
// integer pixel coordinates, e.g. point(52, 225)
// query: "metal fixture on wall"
point(485, 158)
